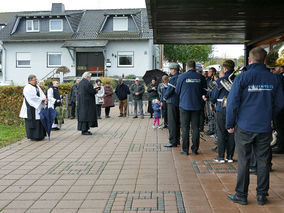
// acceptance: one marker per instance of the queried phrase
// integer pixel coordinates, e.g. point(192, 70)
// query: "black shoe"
point(236, 199)
point(277, 150)
point(135, 116)
point(261, 199)
point(170, 145)
point(195, 152)
point(215, 149)
point(55, 129)
point(99, 117)
point(107, 116)
point(86, 133)
point(183, 152)
point(209, 132)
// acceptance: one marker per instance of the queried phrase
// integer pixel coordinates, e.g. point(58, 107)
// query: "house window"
point(55, 25)
point(23, 59)
point(120, 23)
point(32, 25)
point(125, 59)
point(53, 59)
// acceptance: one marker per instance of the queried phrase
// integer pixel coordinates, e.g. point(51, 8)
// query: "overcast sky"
point(225, 51)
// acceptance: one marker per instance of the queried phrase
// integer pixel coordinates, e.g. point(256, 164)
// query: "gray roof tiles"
point(85, 24)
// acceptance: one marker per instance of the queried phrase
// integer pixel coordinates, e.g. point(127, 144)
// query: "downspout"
point(3, 61)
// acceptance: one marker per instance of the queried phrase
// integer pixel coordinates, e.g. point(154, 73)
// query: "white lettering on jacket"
point(259, 88)
point(192, 80)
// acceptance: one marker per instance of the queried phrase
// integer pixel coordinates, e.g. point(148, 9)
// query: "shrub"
point(11, 99)
point(131, 76)
point(111, 80)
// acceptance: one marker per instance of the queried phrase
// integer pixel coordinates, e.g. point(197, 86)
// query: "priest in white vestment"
point(34, 101)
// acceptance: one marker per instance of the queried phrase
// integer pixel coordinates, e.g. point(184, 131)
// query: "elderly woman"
point(108, 101)
point(87, 112)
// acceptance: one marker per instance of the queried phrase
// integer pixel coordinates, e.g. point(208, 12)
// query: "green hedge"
point(11, 99)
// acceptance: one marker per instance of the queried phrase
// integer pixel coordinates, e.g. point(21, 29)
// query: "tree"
point(183, 53)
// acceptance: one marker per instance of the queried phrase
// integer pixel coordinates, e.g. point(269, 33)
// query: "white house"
point(104, 42)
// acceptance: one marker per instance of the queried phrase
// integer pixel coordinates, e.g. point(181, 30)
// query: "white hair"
point(86, 74)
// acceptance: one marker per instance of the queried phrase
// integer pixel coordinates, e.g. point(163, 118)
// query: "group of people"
point(241, 111)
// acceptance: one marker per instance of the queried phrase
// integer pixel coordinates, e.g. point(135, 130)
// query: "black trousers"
point(173, 124)
point(73, 108)
point(99, 110)
point(260, 143)
point(202, 120)
point(226, 140)
point(187, 118)
point(165, 113)
point(279, 126)
point(107, 110)
point(211, 117)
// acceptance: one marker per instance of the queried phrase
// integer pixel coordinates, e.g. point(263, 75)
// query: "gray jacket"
point(137, 88)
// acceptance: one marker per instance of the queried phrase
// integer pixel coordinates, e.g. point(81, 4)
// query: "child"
point(157, 112)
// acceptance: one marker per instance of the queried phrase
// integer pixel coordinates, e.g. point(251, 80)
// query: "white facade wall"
point(142, 57)
point(38, 51)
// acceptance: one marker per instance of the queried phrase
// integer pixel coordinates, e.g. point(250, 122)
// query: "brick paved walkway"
point(123, 167)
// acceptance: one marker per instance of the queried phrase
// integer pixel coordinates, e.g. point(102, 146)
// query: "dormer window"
point(32, 25)
point(120, 23)
point(55, 25)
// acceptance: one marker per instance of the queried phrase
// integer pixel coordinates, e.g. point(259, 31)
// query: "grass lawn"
point(11, 134)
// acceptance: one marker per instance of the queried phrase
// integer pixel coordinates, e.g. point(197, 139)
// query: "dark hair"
point(257, 54)
point(191, 64)
point(98, 80)
point(213, 69)
point(31, 77)
point(229, 64)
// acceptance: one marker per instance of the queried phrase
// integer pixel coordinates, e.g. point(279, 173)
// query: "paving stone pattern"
point(122, 167)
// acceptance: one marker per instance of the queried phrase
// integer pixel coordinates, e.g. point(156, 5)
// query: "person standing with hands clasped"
point(190, 88)
point(255, 98)
point(137, 90)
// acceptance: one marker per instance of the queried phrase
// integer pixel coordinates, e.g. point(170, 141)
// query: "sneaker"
point(160, 127)
point(219, 160)
point(230, 160)
point(154, 127)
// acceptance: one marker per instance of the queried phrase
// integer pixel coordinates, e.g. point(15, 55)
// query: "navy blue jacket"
point(255, 98)
point(190, 88)
point(163, 91)
point(122, 91)
point(157, 110)
point(170, 95)
point(219, 93)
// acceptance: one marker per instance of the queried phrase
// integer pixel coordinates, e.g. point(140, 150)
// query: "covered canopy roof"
point(215, 21)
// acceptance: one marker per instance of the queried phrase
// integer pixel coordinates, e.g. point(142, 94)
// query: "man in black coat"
point(73, 97)
point(87, 112)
